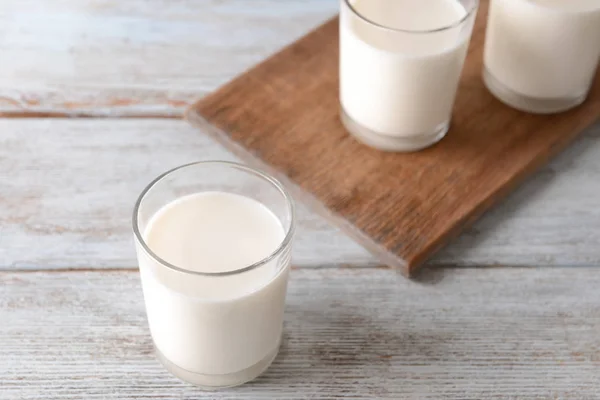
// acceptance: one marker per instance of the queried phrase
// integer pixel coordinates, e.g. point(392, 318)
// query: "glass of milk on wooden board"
point(400, 64)
point(213, 241)
point(541, 56)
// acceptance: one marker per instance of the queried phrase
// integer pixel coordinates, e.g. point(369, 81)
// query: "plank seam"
point(319, 268)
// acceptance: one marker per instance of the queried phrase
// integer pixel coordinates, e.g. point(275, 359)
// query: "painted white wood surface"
point(137, 57)
point(349, 333)
point(68, 188)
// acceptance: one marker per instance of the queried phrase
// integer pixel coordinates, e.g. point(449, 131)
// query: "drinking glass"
point(204, 331)
point(400, 65)
point(542, 56)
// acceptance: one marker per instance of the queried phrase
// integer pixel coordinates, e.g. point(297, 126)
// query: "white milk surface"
point(214, 325)
point(401, 83)
point(547, 49)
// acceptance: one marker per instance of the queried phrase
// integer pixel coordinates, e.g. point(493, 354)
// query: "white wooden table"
point(510, 310)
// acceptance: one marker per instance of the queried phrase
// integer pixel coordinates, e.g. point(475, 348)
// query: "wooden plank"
point(349, 333)
point(69, 186)
point(403, 207)
point(67, 190)
point(120, 58)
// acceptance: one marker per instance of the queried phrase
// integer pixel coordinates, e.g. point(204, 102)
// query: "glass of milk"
point(541, 55)
point(213, 241)
point(400, 64)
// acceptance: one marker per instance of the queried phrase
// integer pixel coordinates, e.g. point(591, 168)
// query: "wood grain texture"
point(123, 58)
point(284, 116)
point(68, 188)
point(349, 333)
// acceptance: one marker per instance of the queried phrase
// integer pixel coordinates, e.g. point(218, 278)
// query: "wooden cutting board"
point(283, 116)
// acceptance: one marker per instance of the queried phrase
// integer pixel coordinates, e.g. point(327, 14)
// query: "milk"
point(541, 55)
point(223, 330)
point(401, 82)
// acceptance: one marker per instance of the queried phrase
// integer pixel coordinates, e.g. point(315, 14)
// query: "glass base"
point(215, 382)
point(521, 102)
point(392, 143)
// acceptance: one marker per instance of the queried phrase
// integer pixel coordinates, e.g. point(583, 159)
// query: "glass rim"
point(266, 177)
point(414, 31)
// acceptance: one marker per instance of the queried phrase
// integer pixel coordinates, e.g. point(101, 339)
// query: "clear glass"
point(398, 84)
point(541, 56)
point(200, 336)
